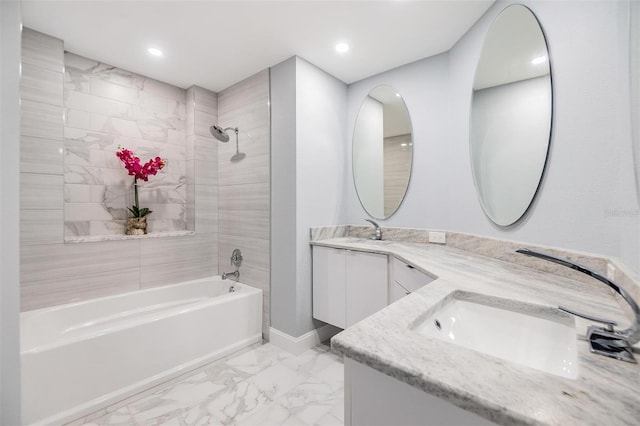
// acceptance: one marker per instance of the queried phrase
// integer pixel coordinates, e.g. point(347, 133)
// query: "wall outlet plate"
point(438, 237)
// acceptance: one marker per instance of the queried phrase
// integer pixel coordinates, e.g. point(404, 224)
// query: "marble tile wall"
point(41, 139)
point(244, 193)
point(107, 108)
point(54, 272)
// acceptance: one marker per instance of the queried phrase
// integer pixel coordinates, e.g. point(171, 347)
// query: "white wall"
point(308, 168)
point(587, 200)
point(321, 135)
point(10, 22)
point(424, 86)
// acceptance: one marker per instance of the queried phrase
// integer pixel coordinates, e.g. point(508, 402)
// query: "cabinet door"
point(329, 285)
point(366, 285)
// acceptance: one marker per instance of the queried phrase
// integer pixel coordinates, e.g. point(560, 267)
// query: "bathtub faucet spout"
point(235, 273)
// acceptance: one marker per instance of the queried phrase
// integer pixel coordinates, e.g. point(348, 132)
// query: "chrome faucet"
point(378, 234)
point(235, 273)
point(602, 340)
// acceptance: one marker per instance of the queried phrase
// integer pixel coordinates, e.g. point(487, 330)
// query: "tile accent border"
point(99, 238)
point(298, 345)
point(497, 249)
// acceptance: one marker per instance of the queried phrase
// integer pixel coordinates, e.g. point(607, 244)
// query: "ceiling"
point(214, 44)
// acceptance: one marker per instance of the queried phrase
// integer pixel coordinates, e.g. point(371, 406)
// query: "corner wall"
point(588, 200)
point(309, 167)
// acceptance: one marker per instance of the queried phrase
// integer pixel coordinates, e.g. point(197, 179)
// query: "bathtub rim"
point(245, 292)
point(34, 312)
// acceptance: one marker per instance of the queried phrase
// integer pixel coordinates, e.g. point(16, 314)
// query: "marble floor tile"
point(260, 385)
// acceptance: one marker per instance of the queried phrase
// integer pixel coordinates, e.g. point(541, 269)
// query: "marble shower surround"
point(106, 108)
point(496, 249)
point(53, 272)
point(244, 186)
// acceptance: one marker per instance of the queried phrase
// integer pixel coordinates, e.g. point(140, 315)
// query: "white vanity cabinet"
point(374, 399)
point(329, 279)
point(366, 286)
point(348, 286)
point(404, 279)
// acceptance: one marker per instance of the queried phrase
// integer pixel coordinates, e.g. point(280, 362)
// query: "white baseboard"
point(297, 345)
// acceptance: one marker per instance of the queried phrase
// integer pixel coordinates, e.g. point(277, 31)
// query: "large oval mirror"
point(382, 152)
point(511, 115)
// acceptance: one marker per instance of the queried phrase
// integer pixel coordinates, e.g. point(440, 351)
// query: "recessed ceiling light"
point(539, 60)
point(155, 52)
point(397, 95)
point(342, 47)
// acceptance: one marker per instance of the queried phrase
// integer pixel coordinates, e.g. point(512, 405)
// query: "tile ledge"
point(99, 238)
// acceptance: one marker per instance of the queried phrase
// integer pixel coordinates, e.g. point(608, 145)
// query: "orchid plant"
point(138, 171)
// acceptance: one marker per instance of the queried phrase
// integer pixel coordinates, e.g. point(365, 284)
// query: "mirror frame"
point(353, 169)
point(543, 170)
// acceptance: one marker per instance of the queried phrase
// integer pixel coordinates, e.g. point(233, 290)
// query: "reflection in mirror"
point(382, 152)
point(511, 115)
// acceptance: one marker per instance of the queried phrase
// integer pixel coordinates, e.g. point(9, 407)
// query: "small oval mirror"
point(511, 115)
point(382, 152)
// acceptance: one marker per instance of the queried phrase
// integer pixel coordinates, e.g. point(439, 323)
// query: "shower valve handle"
point(236, 258)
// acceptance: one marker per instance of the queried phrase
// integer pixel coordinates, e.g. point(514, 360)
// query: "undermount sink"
point(534, 336)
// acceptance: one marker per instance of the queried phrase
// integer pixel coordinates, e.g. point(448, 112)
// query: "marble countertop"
point(606, 391)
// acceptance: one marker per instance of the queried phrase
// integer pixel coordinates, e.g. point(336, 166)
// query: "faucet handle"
point(608, 323)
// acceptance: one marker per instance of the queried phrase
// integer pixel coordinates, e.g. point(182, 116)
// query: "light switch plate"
point(437, 237)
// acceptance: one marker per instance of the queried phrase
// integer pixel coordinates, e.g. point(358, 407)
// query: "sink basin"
point(534, 336)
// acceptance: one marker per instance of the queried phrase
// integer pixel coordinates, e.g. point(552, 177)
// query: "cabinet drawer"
point(408, 276)
point(396, 292)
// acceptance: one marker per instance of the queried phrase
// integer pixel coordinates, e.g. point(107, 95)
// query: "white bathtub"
point(79, 357)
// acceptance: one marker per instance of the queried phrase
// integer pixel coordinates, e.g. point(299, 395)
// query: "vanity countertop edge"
point(606, 391)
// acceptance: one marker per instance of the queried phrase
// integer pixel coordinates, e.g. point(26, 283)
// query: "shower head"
point(221, 134)
point(237, 157)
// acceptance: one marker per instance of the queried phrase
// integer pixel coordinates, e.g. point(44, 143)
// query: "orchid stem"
point(135, 190)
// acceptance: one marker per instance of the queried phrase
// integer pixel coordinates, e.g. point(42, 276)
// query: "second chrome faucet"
point(602, 340)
